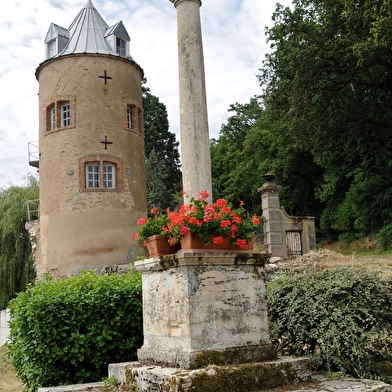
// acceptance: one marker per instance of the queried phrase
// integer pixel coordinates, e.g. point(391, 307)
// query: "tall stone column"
point(195, 144)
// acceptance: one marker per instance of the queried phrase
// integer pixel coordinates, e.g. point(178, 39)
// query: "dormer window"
point(52, 48)
point(56, 40)
point(118, 39)
point(120, 46)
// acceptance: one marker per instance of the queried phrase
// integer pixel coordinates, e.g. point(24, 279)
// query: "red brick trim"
point(137, 116)
point(57, 100)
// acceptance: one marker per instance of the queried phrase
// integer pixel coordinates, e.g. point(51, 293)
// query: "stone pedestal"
point(201, 309)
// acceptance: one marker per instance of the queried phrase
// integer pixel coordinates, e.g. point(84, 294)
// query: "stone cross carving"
point(105, 142)
point(105, 77)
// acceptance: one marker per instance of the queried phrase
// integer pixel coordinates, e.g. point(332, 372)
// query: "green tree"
point(162, 156)
point(156, 188)
point(230, 179)
point(252, 143)
point(330, 78)
point(16, 263)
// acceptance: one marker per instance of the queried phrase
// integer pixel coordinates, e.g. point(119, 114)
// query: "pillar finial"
point(176, 2)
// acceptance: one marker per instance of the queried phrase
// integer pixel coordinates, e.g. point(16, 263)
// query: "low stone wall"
point(4, 328)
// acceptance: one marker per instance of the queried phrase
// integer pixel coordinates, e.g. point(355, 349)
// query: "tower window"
point(109, 171)
point(60, 113)
point(100, 175)
point(92, 176)
point(52, 120)
point(132, 116)
point(129, 117)
point(65, 114)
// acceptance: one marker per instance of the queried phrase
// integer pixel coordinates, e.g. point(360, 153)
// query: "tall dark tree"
point(162, 155)
point(16, 263)
point(227, 156)
point(330, 78)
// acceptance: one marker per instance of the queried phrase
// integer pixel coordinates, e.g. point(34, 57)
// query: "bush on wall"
point(67, 331)
point(340, 317)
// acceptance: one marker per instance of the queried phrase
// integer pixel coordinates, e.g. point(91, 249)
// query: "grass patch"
point(366, 246)
point(8, 380)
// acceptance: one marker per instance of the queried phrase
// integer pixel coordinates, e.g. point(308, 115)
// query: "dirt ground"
point(8, 380)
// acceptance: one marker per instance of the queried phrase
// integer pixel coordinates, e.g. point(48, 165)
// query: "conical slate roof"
point(89, 33)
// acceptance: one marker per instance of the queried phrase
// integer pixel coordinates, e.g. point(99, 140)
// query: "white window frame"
point(129, 116)
point(52, 48)
point(53, 117)
point(100, 175)
point(65, 110)
point(109, 175)
point(92, 175)
point(121, 46)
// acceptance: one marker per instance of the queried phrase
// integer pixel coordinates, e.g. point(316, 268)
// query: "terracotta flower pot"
point(157, 245)
point(192, 244)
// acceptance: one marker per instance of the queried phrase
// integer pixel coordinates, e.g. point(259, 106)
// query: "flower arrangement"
point(211, 222)
point(156, 224)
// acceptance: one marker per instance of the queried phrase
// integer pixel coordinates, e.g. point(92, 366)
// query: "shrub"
point(341, 318)
point(67, 331)
point(384, 237)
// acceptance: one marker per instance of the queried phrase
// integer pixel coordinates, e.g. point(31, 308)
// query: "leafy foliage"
point(384, 237)
point(16, 263)
point(340, 317)
point(155, 224)
point(67, 331)
point(162, 156)
point(330, 79)
point(253, 143)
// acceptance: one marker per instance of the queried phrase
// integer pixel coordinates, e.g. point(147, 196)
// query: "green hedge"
point(67, 331)
point(340, 317)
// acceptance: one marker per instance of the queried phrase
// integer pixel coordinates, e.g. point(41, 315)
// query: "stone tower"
point(91, 145)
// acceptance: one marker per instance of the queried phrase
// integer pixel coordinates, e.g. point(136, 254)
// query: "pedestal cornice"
point(183, 259)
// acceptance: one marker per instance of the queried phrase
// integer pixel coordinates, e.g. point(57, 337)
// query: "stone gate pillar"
point(273, 238)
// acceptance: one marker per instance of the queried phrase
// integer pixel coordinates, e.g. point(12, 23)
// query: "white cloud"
point(234, 47)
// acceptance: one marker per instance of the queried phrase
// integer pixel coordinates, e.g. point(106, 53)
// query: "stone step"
point(230, 378)
point(317, 384)
point(90, 387)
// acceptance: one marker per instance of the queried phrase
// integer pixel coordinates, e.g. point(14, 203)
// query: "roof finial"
point(89, 4)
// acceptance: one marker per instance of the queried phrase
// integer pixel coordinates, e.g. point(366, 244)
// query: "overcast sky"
point(234, 48)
